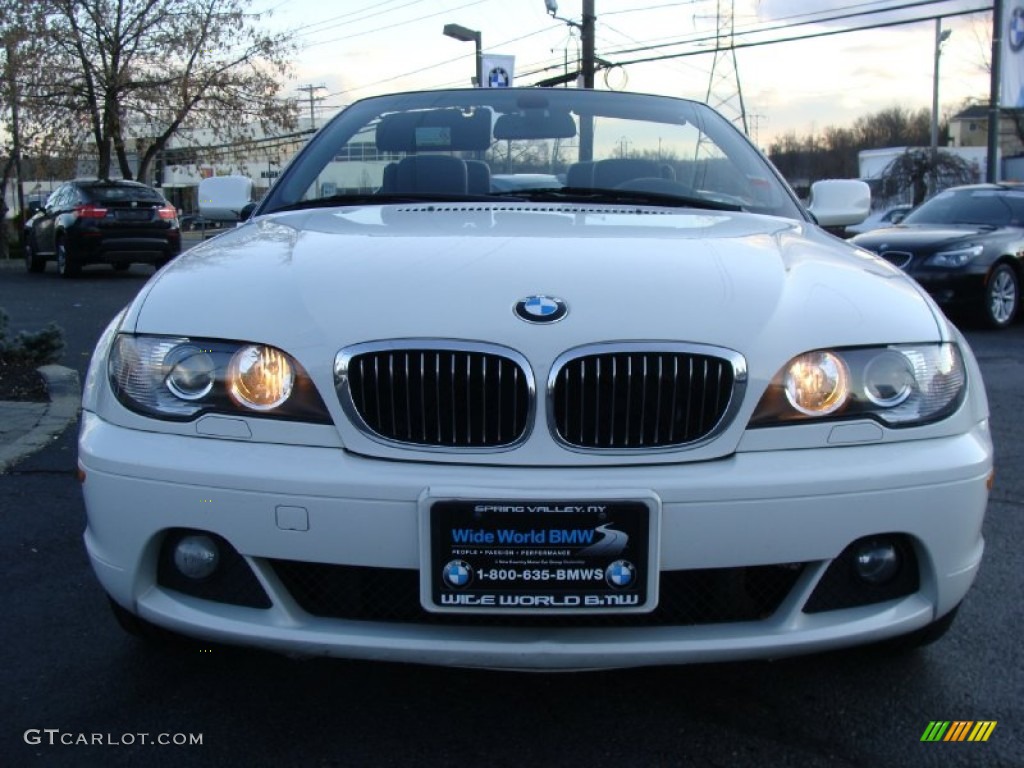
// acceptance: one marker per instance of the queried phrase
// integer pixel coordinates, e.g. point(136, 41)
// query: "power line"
point(750, 31)
point(795, 38)
point(421, 69)
point(396, 24)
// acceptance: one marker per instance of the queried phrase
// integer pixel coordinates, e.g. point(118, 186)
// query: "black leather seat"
point(608, 174)
point(432, 173)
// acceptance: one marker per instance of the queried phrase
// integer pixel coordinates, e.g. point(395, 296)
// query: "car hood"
point(314, 282)
point(923, 236)
point(342, 276)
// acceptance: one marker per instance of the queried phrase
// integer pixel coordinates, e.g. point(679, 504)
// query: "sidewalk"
point(28, 427)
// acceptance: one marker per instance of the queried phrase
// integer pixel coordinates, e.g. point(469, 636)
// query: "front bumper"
point(752, 509)
point(953, 289)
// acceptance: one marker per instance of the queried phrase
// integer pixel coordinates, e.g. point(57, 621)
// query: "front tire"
point(67, 264)
point(33, 261)
point(1002, 297)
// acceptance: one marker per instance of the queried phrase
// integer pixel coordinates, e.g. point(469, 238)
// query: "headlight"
point(260, 377)
point(954, 258)
point(817, 383)
point(900, 386)
point(191, 372)
point(181, 378)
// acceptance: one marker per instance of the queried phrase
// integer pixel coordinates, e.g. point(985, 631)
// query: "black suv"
point(102, 222)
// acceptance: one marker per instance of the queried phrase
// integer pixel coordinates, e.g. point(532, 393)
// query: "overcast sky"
point(361, 48)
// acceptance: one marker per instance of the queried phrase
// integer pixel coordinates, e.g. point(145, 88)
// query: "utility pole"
point(587, 35)
point(756, 119)
point(940, 37)
point(311, 89)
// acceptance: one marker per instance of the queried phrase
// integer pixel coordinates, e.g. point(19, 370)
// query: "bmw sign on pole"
point(1011, 94)
point(498, 70)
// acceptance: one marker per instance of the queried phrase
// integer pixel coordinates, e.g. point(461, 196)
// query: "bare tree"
point(137, 72)
point(913, 169)
point(834, 152)
point(28, 127)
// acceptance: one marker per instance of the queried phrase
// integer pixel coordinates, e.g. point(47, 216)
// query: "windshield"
point(530, 144)
point(985, 206)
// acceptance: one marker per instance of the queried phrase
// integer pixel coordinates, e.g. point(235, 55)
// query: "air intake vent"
point(437, 394)
point(643, 396)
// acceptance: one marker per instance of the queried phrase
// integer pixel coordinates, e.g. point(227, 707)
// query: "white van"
point(222, 198)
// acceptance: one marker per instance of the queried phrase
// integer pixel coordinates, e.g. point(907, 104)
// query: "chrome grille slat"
point(440, 394)
point(654, 397)
point(899, 259)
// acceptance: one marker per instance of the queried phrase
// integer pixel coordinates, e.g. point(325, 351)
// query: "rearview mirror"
point(535, 124)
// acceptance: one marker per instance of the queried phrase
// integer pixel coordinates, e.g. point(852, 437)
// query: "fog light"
point(877, 561)
point(196, 556)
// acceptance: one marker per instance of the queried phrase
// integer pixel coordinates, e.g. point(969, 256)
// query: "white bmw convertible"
point(649, 413)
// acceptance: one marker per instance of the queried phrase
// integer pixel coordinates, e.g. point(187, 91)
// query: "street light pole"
point(466, 35)
point(940, 37)
point(992, 163)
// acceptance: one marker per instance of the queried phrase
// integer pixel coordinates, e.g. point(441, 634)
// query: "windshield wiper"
point(621, 196)
point(384, 198)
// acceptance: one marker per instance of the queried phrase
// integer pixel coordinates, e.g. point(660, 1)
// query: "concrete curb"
point(42, 421)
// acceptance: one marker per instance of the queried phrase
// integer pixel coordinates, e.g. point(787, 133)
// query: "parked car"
point(112, 222)
point(194, 222)
point(965, 247)
point(885, 217)
point(656, 416)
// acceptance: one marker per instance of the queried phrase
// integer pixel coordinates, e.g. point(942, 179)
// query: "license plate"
point(129, 215)
point(564, 556)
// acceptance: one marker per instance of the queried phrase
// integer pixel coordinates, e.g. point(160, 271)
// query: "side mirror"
point(898, 217)
point(840, 202)
point(246, 213)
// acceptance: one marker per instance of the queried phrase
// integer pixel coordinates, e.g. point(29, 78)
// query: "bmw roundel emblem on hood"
point(541, 309)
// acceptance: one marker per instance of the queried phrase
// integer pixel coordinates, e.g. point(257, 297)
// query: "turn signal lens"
point(817, 383)
point(260, 377)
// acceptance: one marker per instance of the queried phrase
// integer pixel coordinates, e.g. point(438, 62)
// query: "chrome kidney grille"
point(899, 259)
point(437, 394)
point(458, 395)
point(643, 396)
